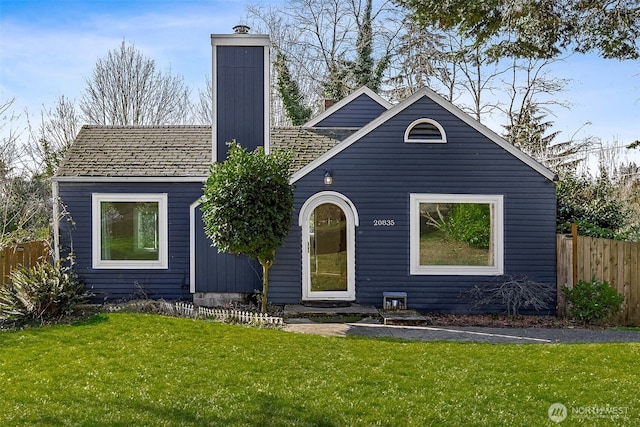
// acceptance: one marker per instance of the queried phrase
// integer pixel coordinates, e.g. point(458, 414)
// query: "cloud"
point(45, 57)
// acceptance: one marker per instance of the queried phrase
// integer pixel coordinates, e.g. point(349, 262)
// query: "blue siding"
point(107, 284)
point(380, 171)
point(357, 113)
point(240, 96)
point(220, 272)
point(214, 272)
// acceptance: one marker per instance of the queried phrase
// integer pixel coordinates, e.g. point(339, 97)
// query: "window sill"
point(456, 271)
point(130, 265)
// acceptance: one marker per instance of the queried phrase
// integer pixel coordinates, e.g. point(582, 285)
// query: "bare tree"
point(50, 140)
point(532, 94)
point(203, 109)
point(332, 44)
point(126, 88)
point(530, 82)
point(479, 76)
point(270, 20)
point(453, 65)
point(419, 58)
point(10, 153)
point(24, 212)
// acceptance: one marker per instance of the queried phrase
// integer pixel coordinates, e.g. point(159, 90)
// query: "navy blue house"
point(415, 197)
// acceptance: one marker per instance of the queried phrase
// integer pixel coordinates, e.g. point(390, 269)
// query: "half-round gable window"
point(425, 130)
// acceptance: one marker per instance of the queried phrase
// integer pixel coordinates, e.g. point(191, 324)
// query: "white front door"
point(328, 222)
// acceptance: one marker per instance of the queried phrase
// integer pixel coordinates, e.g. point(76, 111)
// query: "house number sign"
point(384, 222)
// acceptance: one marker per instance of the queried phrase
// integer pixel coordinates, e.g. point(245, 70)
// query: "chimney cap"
point(241, 29)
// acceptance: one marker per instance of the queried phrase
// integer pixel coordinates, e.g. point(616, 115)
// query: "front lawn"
point(135, 369)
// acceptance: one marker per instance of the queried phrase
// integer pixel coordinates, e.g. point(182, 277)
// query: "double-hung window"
point(456, 234)
point(129, 231)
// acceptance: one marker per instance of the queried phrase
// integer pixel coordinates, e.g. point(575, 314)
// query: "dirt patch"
point(498, 321)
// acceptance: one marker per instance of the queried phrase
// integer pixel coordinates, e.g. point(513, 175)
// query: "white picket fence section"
point(227, 315)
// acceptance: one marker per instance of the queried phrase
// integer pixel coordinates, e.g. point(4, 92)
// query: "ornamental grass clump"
point(45, 292)
point(592, 302)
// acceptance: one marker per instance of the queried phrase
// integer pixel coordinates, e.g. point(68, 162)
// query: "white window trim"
point(163, 231)
point(442, 140)
point(462, 270)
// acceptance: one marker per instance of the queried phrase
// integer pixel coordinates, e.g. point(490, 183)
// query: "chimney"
point(241, 29)
point(240, 84)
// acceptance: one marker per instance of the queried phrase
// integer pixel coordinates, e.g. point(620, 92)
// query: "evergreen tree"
point(365, 71)
point(289, 92)
point(528, 132)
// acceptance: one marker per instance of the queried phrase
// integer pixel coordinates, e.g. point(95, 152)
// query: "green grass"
point(135, 369)
point(437, 249)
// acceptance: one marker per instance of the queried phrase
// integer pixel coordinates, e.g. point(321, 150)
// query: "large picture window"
point(130, 231)
point(456, 234)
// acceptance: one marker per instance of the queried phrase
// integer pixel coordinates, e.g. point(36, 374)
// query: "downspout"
point(56, 221)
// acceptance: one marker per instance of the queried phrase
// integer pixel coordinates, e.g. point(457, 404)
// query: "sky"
point(49, 48)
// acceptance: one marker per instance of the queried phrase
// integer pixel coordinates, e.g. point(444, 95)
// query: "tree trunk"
point(266, 265)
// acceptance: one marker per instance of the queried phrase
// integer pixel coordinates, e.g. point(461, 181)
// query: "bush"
point(593, 301)
point(470, 223)
point(515, 294)
point(41, 293)
point(592, 204)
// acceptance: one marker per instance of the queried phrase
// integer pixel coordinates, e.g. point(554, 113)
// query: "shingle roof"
point(174, 151)
point(149, 151)
point(306, 144)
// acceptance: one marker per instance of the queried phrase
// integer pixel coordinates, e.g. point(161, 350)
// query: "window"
point(130, 231)
point(456, 234)
point(425, 130)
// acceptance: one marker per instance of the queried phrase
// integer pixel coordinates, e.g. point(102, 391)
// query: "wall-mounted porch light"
point(328, 178)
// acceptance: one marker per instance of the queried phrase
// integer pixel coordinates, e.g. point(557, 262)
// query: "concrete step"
point(402, 317)
point(292, 311)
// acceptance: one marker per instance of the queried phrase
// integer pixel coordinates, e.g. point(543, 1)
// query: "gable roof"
point(173, 152)
point(138, 151)
point(345, 101)
point(398, 108)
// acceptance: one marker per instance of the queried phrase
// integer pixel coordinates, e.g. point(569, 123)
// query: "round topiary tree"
point(247, 205)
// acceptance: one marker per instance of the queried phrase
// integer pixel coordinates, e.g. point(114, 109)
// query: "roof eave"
point(142, 179)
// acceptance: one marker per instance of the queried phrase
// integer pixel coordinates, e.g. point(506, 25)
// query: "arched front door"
point(328, 222)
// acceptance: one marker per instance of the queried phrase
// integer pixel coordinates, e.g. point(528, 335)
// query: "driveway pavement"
point(468, 334)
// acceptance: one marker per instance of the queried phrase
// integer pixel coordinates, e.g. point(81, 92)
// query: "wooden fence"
point(617, 262)
point(26, 254)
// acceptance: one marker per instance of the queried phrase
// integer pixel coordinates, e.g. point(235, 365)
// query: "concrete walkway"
point(468, 334)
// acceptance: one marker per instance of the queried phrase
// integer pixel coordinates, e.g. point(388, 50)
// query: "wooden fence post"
point(574, 254)
point(564, 275)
